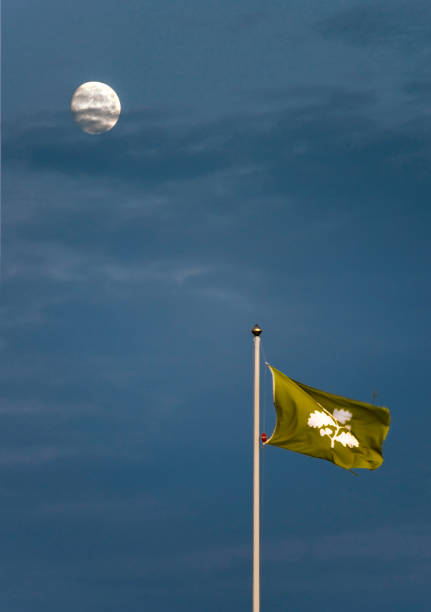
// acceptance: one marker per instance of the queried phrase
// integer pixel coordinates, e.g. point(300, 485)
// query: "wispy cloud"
point(394, 24)
point(35, 456)
point(61, 263)
point(383, 543)
point(123, 509)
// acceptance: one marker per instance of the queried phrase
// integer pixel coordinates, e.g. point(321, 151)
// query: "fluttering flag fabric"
point(313, 422)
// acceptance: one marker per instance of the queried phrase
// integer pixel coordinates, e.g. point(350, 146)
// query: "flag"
point(313, 422)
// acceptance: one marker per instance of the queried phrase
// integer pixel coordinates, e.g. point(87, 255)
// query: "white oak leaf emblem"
point(330, 425)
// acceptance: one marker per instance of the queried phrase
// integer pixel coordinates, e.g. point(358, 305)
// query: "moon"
point(95, 107)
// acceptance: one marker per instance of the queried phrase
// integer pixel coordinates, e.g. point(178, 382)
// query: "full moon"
point(95, 107)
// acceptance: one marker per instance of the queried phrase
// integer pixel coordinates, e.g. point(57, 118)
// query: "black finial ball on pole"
point(256, 331)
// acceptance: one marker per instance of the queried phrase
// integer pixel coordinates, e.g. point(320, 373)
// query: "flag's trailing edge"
point(313, 422)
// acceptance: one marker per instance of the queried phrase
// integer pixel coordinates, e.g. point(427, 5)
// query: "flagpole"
point(256, 331)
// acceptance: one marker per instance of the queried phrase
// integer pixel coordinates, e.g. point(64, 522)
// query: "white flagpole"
point(256, 331)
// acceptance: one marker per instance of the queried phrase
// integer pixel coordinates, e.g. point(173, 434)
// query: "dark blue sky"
point(271, 165)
